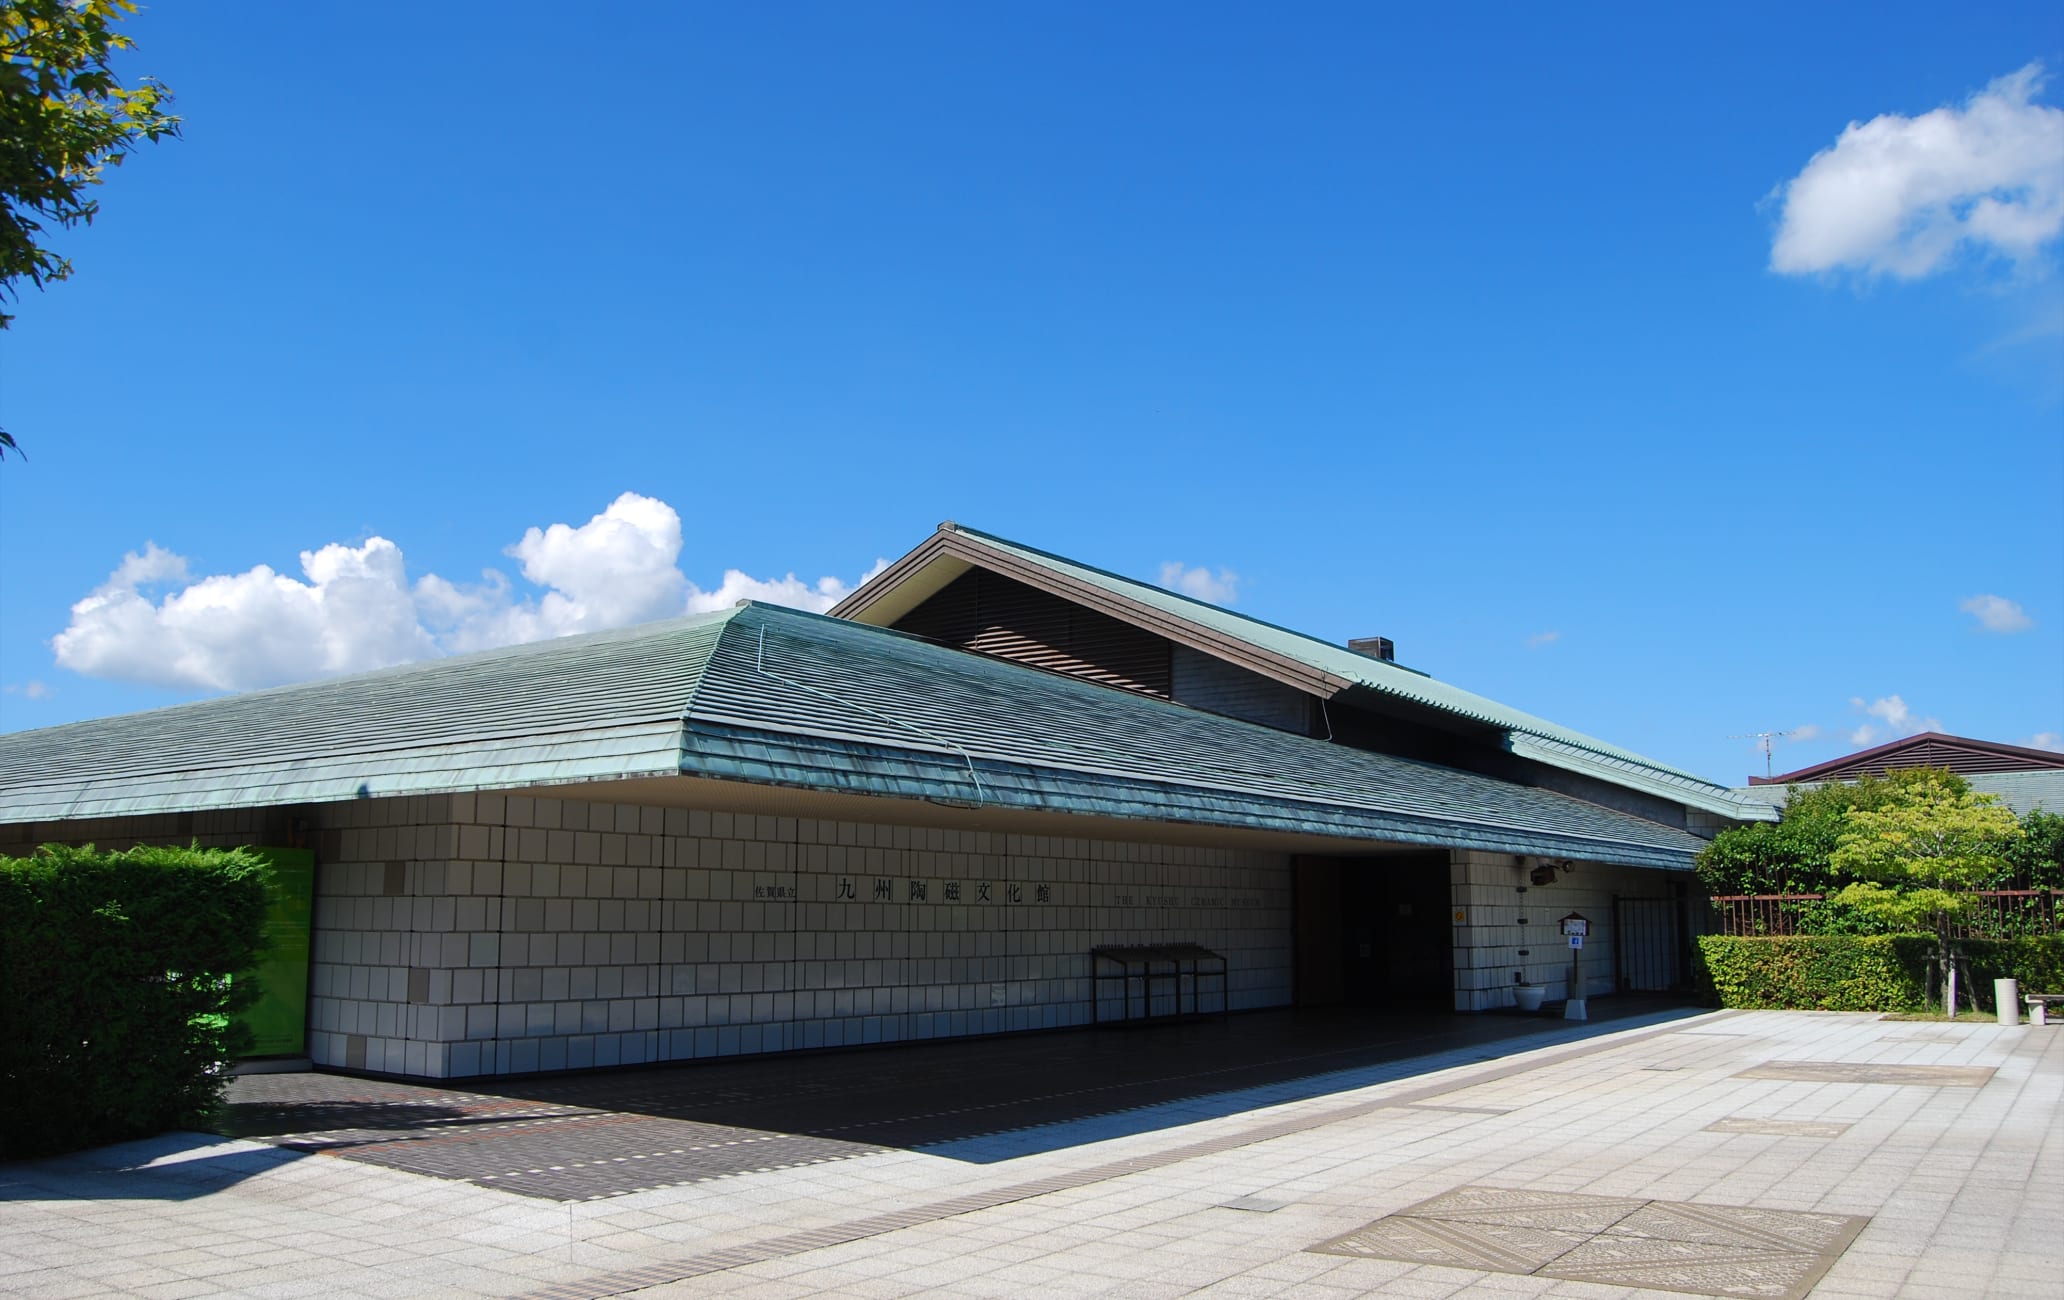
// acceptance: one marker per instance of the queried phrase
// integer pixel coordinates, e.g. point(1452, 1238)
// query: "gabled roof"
point(772, 696)
point(1929, 749)
point(1317, 667)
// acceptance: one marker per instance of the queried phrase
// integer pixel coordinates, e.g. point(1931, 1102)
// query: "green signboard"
point(279, 1019)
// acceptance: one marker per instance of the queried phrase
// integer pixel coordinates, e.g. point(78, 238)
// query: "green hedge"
point(115, 1013)
point(1864, 972)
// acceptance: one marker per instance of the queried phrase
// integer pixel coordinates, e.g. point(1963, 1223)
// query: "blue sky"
point(1578, 350)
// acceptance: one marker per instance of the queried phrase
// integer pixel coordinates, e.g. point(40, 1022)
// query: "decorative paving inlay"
point(1926, 1076)
point(1800, 1128)
point(1729, 1250)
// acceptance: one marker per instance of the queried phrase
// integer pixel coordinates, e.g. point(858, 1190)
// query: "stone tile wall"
point(481, 934)
point(1500, 922)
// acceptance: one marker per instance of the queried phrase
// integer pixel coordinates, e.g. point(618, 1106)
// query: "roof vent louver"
point(1375, 647)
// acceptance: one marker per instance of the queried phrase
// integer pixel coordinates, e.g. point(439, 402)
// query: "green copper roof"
point(1660, 781)
point(579, 708)
point(1557, 745)
point(999, 733)
point(770, 695)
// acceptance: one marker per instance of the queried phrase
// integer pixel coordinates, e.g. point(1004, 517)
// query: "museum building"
point(987, 778)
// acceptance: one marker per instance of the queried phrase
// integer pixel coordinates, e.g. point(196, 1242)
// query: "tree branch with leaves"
point(64, 120)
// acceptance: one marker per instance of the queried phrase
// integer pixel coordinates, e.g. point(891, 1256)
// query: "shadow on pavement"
point(169, 1167)
point(952, 1098)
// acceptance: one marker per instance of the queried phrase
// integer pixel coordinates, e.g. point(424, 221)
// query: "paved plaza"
point(1772, 1154)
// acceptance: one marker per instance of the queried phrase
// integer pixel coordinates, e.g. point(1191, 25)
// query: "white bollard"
point(2006, 999)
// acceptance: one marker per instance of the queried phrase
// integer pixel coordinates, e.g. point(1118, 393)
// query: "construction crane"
point(1766, 737)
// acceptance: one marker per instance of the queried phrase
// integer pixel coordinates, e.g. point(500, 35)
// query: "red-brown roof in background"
point(1929, 749)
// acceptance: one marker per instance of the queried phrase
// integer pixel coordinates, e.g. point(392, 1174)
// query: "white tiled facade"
point(1503, 916)
point(484, 934)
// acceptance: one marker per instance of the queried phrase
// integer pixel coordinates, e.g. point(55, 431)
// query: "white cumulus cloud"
point(1895, 720)
point(616, 569)
point(1216, 588)
point(354, 607)
point(2050, 740)
point(29, 690)
point(256, 628)
point(790, 590)
point(1800, 735)
point(1898, 195)
point(1997, 614)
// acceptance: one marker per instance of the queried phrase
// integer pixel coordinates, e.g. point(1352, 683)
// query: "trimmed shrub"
point(1864, 972)
point(1811, 972)
point(116, 1006)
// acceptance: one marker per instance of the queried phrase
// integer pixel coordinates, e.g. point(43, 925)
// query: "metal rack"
point(1166, 968)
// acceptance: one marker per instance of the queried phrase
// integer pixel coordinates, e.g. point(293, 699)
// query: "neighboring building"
point(761, 830)
point(2025, 779)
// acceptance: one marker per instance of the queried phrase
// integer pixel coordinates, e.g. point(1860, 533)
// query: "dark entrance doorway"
point(1653, 938)
point(1375, 932)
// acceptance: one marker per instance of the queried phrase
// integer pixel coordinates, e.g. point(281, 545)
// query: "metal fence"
point(1997, 914)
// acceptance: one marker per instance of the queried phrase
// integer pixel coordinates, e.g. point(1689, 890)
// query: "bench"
point(2038, 1006)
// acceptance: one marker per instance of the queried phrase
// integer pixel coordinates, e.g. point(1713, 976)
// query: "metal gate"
point(1653, 940)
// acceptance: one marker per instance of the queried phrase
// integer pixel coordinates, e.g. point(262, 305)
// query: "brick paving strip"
point(623, 1281)
point(552, 1151)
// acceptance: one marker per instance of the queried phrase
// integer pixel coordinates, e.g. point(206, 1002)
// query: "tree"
point(1916, 859)
point(2038, 859)
point(64, 120)
point(1792, 854)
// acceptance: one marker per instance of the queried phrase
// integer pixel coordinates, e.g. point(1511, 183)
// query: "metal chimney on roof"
point(1376, 647)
